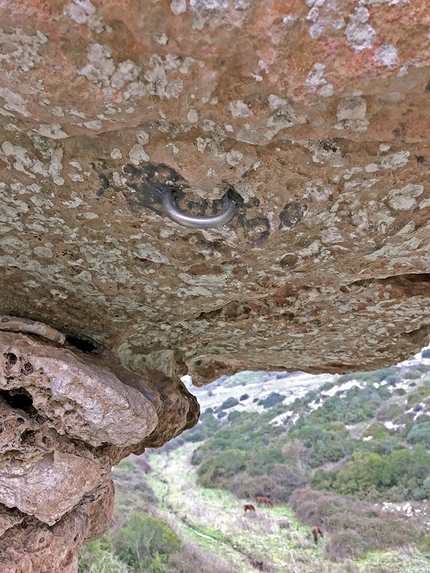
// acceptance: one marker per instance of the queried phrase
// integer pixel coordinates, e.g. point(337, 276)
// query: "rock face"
point(313, 116)
point(65, 419)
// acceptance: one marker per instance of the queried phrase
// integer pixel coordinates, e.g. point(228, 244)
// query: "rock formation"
point(311, 115)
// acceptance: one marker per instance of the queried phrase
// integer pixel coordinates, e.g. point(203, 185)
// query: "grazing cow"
point(248, 507)
point(265, 500)
point(315, 532)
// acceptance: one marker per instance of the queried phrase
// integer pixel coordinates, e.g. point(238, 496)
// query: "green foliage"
point(323, 480)
point(229, 403)
point(126, 466)
point(418, 396)
point(98, 557)
point(382, 445)
point(420, 434)
point(412, 374)
point(372, 476)
point(233, 416)
point(146, 543)
point(389, 412)
point(327, 443)
point(206, 427)
point(272, 399)
point(217, 471)
point(375, 430)
point(389, 375)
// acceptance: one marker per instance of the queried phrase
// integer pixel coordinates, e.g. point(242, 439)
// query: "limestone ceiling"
point(313, 116)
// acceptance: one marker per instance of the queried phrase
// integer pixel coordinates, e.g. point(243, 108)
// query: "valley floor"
point(273, 537)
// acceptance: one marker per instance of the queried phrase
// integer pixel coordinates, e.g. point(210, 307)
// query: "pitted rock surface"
point(312, 115)
point(65, 419)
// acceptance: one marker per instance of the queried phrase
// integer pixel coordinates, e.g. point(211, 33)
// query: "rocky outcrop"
point(65, 419)
point(312, 116)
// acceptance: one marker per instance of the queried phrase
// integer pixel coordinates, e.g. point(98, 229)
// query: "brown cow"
point(265, 500)
point(248, 507)
point(315, 532)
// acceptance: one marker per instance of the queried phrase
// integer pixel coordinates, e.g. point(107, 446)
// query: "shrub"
point(234, 416)
point(345, 544)
point(376, 430)
point(272, 399)
point(420, 434)
point(146, 543)
point(355, 527)
point(229, 403)
point(217, 471)
point(98, 557)
point(389, 412)
point(412, 374)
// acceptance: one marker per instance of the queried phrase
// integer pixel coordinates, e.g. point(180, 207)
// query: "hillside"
point(348, 453)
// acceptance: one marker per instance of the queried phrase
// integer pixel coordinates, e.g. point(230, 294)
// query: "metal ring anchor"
point(194, 221)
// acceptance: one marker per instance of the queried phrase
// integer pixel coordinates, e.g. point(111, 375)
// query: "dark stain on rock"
point(292, 214)
point(328, 145)
point(104, 184)
point(401, 286)
point(260, 227)
point(147, 183)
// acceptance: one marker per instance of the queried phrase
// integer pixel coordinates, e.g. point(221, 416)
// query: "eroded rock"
point(313, 116)
point(65, 420)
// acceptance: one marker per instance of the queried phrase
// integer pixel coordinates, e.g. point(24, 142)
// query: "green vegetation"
point(332, 458)
point(272, 399)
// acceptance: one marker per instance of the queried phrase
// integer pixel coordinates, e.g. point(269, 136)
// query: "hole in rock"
point(27, 436)
point(19, 399)
point(27, 369)
point(11, 358)
point(85, 344)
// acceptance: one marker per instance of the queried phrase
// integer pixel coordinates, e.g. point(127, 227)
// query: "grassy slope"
point(241, 538)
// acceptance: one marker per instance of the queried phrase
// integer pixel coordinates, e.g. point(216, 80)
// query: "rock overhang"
point(313, 114)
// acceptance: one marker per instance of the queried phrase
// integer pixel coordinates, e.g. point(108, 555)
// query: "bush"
point(389, 412)
point(272, 399)
point(345, 544)
point(217, 471)
point(420, 434)
point(412, 374)
point(146, 543)
point(234, 416)
point(98, 557)
point(355, 527)
point(229, 403)
point(376, 430)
